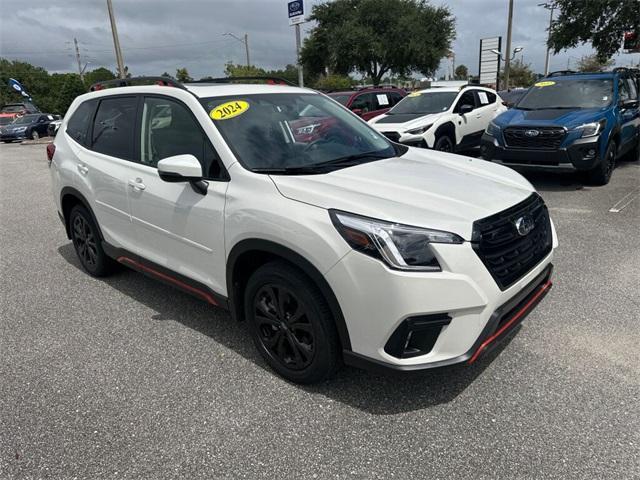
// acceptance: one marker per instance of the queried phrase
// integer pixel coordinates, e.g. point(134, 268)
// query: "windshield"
point(296, 133)
point(5, 120)
point(12, 108)
point(341, 98)
point(25, 119)
point(420, 102)
point(568, 94)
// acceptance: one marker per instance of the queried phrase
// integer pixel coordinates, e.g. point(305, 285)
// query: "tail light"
point(51, 149)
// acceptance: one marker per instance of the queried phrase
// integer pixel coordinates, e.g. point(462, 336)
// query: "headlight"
point(419, 131)
point(493, 129)
point(400, 246)
point(592, 129)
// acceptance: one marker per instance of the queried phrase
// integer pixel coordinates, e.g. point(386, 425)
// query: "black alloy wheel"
point(87, 243)
point(444, 144)
point(601, 173)
point(284, 327)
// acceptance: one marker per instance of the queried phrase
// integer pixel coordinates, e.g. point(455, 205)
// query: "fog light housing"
point(589, 154)
point(416, 335)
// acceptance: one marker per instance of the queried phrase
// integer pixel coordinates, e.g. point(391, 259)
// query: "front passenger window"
point(466, 99)
point(168, 129)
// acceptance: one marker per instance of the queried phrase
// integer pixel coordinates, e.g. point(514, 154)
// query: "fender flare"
point(269, 247)
point(70, 191)
point(446, 126)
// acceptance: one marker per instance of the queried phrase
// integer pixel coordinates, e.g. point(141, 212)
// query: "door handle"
point(82, 169)
point(137, 184)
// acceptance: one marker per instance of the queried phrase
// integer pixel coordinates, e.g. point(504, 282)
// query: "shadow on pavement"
point(378, 394)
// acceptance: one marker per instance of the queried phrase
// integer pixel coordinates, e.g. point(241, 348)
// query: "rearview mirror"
point(465, 109)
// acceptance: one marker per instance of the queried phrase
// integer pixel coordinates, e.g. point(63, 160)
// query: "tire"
point(444, 144)
point(291, 323)
point(86, 241)
point(34, 135)
point(601, 173)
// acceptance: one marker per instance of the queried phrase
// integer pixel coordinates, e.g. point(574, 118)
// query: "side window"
point(623, 90)
point(168, 129)
point(490, 96)
point(364, 102)
point(78, 124)
point(113, 127)
point(633, 91)
point(394, 98)
point(466, 98)
point(382, 100)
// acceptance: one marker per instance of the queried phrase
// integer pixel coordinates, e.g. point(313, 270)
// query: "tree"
point(168, 75)
point(520, 75)
point(593, 63)
point(182, 75)
point(461, 72)
point(98, 75)
point(334, 82)
point(377, 37)
point(601, 22)
point(234, 70)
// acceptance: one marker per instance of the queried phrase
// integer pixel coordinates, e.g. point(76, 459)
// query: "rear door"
point(630, 117)
point(104, 167)
point(177, 228)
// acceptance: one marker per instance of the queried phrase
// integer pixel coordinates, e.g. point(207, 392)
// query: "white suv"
point(445, 119)
point(277, 203)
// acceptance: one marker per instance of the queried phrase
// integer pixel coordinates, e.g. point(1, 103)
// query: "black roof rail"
point(276, 80)
point(129, 82)
point(559, 73)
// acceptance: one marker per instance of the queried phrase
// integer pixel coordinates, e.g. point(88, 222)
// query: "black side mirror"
point(466, 108)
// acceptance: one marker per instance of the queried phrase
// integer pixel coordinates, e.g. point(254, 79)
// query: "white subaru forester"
point(277, 203)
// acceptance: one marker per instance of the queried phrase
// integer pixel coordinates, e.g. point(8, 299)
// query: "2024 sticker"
point(228, 110)
point(548, 83)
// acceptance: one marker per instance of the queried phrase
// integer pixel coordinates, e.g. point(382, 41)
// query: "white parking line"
point(625, 201)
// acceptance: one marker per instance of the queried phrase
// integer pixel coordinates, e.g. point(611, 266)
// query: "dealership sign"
point(489, 61)
point(296, 12)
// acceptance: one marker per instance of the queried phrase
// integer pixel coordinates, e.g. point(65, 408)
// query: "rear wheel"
point(35, 135)
point(601, 173)
point(291, 323)
point(444, 144)
point(86, 241)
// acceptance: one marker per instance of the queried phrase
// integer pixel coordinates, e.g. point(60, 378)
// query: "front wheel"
point(35, 135)
point(444, 144)
point(601, 173)
point(291, 323)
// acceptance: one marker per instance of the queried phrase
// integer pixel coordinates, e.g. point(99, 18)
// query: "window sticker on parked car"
point(228, 110)
point(483, 98)
point(382, 99)
point(548, 83)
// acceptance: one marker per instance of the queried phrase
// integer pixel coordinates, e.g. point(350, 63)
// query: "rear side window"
point(113, 127)
point(78, 124)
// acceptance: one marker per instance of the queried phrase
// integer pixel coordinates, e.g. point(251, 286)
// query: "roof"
point(455, 89)
point(224, 89)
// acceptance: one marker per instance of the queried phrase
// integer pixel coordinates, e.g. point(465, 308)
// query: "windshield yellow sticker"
point(414, 94)
point(544, 84)
point(228, 110)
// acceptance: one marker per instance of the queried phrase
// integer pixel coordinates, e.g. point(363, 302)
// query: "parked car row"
point(30, 126)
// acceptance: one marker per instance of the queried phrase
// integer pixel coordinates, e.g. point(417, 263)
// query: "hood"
point(403, 121)
point(421, 188)
point(551, 116)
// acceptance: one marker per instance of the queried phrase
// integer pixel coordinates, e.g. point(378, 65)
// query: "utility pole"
point(116, 41)
point(507, 59)
point(246, 47)
point(80, 69)
point(551, 7)
point(298, 42)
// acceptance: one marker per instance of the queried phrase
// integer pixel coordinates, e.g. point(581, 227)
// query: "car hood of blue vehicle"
point(551, 116)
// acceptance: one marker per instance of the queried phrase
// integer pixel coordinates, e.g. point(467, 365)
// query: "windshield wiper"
point(323, 167)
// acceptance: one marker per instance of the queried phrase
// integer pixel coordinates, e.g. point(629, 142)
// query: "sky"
point(161, 35)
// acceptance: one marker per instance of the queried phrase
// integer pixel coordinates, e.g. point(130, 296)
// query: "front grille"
point(507, 254)
point(544, 138)
point(393, 136)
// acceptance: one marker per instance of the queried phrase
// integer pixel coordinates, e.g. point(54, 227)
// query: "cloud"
point(162, 35)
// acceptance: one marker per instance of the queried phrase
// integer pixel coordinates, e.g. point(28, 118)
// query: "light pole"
point(246, 44)
point(116, 41)
point(507, 61)
point(551, 7)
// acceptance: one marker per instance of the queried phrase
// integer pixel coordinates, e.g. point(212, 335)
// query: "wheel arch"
point(447, 128)
point(69, 198)
point(248, 255)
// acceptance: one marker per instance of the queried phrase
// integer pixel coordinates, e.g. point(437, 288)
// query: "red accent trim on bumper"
point(167, 278)
point(519, 314)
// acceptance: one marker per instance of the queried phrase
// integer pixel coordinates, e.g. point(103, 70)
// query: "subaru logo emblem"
point(532, 133)
point(524, 225)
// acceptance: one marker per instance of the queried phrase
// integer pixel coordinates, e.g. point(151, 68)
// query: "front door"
point(178, 228)
point(469, 124)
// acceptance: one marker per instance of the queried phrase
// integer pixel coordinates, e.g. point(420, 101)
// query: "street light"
point(549, 6)
point(245, 41)
point(501, 57)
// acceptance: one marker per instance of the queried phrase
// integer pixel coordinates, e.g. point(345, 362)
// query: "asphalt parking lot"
point(127, 378)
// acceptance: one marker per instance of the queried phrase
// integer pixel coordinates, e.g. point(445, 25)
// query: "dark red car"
point(369, 102)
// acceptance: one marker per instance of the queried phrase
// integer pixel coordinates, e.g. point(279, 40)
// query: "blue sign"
point(17, 86)
point(296, 8)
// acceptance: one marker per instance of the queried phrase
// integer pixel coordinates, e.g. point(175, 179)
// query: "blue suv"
point(570, 121)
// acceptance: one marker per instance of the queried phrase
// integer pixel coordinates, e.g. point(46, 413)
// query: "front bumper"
point(582, 154)
point(476, 307)
point(13, 135)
